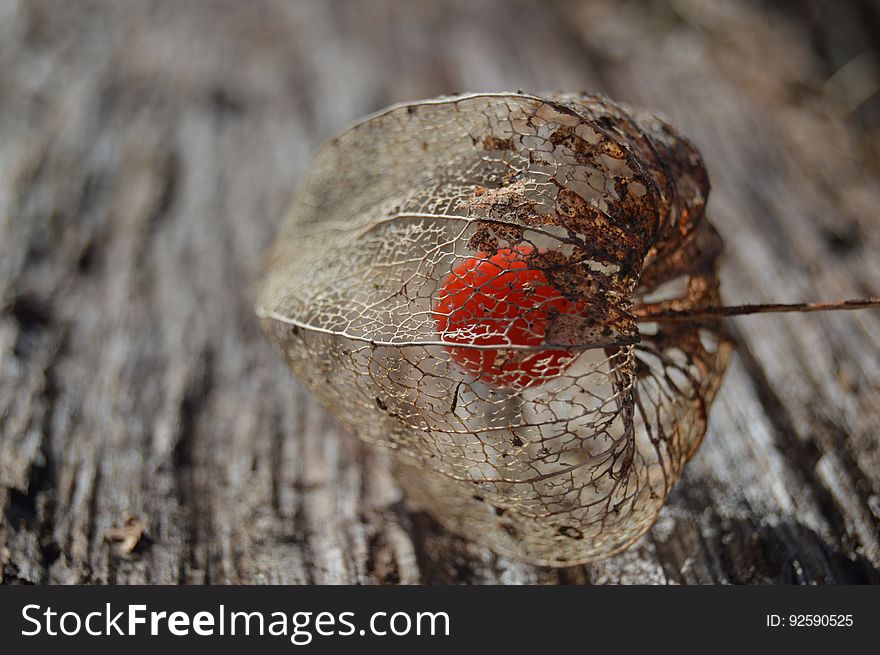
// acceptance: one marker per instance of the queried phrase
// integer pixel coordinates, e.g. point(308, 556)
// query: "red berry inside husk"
point(501, 300)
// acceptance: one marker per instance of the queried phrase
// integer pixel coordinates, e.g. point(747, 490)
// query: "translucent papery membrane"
point(574, 460)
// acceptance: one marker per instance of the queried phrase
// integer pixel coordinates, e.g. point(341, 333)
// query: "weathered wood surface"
point(147, 152)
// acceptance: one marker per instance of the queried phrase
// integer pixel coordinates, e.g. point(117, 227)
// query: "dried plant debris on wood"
point(130, 536)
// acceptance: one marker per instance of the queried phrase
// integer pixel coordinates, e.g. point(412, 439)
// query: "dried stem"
point(668, 315)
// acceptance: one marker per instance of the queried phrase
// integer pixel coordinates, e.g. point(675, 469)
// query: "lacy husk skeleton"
point(571, 461)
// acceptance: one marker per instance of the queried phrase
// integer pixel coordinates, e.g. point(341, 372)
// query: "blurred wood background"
point(147, 153)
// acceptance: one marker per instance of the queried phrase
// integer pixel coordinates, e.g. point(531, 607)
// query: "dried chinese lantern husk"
point(611, 203)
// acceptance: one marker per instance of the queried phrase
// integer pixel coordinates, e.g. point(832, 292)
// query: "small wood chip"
point(129, 535)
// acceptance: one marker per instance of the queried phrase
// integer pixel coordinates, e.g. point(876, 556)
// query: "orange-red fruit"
point(500, 300)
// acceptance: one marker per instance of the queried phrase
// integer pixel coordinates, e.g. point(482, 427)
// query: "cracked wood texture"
point(148, 151)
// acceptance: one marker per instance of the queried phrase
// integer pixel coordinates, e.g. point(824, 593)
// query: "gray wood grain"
point(147, 152)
